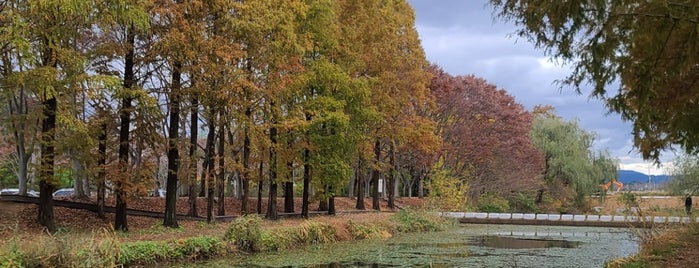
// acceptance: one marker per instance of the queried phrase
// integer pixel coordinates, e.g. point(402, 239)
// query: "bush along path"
point(246, 234)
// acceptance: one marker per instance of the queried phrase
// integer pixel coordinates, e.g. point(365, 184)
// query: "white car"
point(15, 191)
point(65, 192)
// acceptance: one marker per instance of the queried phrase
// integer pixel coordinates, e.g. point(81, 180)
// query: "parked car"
point(9, 191)
point(156, 193)
point(15, 191)
point(64, 192)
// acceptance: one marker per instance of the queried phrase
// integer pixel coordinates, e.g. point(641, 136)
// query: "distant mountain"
point(630, 176)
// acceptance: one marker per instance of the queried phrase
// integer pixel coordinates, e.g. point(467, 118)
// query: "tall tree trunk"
point(204, 168)
point(221, 167)
point(331, 201)
point(352, 185)
point(173, 154)
point(289, 189)
point(420, 183)
point(306, 181)
point(323, 205)
point(375, 177)
point(102, 165)
point(360, 185)
point(272, 200)
point(78, 172)
point(246, 164)
point(210, 176)
point(193, 144)
point(260, 187)
point(46, 187)
point(391, 183)
point(120, 219)
point(306, 175)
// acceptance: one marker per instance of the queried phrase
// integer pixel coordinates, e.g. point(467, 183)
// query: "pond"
point(464, 246)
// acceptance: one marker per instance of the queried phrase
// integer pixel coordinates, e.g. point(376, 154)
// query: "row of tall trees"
point(116, 86)
point(336, 93)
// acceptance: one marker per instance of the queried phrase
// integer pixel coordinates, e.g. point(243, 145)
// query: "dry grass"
point(20, 220)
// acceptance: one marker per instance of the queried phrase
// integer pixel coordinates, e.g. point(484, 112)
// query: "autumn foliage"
point(486, 135)
point(250, 99)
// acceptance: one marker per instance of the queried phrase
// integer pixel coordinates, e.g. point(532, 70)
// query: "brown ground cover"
point(19, 220)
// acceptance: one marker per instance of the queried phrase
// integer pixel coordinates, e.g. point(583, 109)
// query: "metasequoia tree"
point(20, 104)
point(639, 56)
point(388, 49)
point(174, 46)
point(52, 69)
point(267, 30)
point(52, 45)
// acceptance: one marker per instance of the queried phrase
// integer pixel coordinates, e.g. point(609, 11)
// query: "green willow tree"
point(569, 169)
point(639, 56)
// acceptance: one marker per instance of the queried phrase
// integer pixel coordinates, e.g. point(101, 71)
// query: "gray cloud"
point(462, 37)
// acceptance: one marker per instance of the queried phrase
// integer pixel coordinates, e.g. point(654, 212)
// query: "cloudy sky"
point(462, 37)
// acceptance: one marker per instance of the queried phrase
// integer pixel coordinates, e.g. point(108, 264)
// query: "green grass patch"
point(410, 221)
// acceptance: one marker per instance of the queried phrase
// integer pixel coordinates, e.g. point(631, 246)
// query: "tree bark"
point(289, 189)
point(221, 167)
point(391, 183)
point(323, 205)
point(46, 186)
point(306, 182)
point(193, 144)
point(78, 171)
point(246, 164)
point(272, 200)
point(360, 185)
point(260, 187)
point(420, 184)
point(102, 165)
point(210, 176)
point(375, 177)
point(331, 201)
point(120, 219)
point(173, 154)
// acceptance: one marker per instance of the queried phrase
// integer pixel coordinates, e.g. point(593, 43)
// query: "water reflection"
point(521, 243)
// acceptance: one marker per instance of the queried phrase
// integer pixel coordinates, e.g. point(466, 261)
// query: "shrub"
point(313, 232)
point(245, 232)
point(447, 192)
point(146, 252)
point(201, 247)
point(523, 202)
point(277, 239)
point(420, 221)
point(628, 199)
point(365, 230)
point(492, 203)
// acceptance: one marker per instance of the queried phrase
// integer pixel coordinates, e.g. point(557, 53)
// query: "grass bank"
point(106, 248)
point(675, 247)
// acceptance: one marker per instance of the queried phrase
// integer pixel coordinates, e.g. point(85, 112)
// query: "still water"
point(463, 246)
